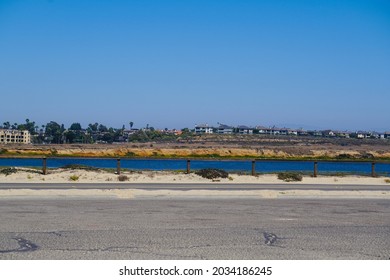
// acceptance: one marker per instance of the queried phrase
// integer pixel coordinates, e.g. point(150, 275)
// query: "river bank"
point(25, 175)
point(217, 146)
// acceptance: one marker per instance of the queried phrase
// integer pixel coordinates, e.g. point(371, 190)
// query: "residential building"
point(15, 136)
point(328, 133)
point(203, 128)
point(261, 129)
point(242, 129)
point(225, 129)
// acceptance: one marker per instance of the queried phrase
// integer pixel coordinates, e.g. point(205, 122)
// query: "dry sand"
point(172, 178)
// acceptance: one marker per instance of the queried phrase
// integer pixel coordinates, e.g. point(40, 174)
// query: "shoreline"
point(40, 186)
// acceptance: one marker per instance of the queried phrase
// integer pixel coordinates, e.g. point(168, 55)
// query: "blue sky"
point(311, 64)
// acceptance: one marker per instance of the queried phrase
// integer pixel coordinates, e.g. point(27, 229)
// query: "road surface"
point(185, 228)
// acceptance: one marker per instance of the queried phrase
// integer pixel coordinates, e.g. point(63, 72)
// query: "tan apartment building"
point(14, 136)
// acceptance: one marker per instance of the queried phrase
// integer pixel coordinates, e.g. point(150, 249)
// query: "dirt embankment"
point(215, 147)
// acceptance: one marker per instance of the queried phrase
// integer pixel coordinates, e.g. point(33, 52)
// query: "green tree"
point(53, 132)
point(6, 125)
point(102, 128)
point(30, 126)
point(75, 126)
point(93, 127)
point(70, 136)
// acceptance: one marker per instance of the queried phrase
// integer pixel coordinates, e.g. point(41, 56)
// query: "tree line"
point(55, 133)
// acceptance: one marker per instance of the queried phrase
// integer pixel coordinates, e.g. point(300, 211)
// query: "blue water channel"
point(228, 165)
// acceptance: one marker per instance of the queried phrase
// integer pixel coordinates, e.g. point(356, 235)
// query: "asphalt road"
point(195, 229)
point(192, 186)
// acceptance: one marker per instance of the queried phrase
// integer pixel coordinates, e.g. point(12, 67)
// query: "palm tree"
point(131, 125)
point(6, 125)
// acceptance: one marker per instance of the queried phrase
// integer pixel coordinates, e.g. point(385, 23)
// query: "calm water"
point(228, 165)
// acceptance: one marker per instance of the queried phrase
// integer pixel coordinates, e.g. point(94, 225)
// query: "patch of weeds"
point(230, 178)
point(3, 151)
point(290, 176)
point(344, 156)
point(387, 181)
point(212, 173)
point(8, 171)
point(29, 177)
point(74, 178)
point(109, 179)
point(123, 178)
point(80, 166)
point(130, 154)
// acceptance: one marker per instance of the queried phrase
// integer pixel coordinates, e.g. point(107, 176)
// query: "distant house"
point(292, 131)
point(386, 135)
point(203, 128)
point(225, 129)
point(301, 132)
point(342, 134)
point(363, 134)
point(261, 129)
point(328, 133)
point(279, 131)
point(242, 129)
point(315, 133)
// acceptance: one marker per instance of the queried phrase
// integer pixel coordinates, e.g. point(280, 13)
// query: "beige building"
point(15, 136)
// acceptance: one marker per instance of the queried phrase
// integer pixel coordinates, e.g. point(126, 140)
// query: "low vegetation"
point(8, 171)
point(387, 181)
point(74, 178)
point(290, 176)
point(123, 178)
point(80, 167)
point(212, 173)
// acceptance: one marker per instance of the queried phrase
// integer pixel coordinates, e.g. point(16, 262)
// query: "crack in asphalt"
point(271, 239)
point(24, 246)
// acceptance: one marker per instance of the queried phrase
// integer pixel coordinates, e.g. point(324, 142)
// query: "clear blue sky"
point(316, 64)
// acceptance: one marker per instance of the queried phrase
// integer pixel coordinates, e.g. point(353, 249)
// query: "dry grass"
point(123, 178)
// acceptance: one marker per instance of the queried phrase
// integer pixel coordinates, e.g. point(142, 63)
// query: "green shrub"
point(212, 173)
point(8, 171)
point(3, 151)
point(387, 181)
point(123, 178)
point(290, 176)
point(74, 178)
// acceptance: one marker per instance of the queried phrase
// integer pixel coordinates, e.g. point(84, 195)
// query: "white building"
point(15, 136)
point(203, 128)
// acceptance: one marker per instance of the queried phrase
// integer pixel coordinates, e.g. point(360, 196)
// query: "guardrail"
point(253, 162)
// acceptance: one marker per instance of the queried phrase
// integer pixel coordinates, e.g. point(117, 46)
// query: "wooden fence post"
point(315, 169)
point(44, 166)
point(118, 166)
point(253, 168)
point(373, 169)
point(188, 166)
